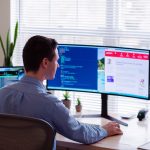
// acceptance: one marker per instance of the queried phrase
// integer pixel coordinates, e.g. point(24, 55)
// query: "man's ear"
point(44, 62)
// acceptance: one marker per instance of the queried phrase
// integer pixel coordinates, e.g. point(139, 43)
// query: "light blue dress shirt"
point(28, 97)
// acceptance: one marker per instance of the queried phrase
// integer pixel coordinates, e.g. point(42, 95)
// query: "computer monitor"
point(9, 75)
point(103, 69)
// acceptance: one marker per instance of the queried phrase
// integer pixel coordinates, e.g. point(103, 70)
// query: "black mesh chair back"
point(24, 133)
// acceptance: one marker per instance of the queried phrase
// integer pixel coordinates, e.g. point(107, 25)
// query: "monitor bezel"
point(94, 91)
point(21, 67)
point(11, 67)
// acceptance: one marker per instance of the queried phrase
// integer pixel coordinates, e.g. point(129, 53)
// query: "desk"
point(137, 133)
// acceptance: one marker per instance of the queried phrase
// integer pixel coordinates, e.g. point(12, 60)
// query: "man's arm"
point(69, 127)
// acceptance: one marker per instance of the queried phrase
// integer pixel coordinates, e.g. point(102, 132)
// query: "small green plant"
point(78, 101)
point(66, 101)
point(79, 105)
point(9, 48)
point(66, 95)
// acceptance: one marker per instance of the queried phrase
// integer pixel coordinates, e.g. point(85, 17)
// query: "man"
point(29, 97)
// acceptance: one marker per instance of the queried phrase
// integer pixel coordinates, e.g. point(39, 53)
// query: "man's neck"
point(35, 75)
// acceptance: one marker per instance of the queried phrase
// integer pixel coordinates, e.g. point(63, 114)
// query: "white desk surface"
point(135, 134)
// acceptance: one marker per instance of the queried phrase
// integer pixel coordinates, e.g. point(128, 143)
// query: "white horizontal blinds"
point(67, 21)
point(134, 23)
point(90, 101)
point(116, 104)
point(100, 22)
point(78, 25)
point(63, 14)
point(15, 13)
point(119, 104)
point(118, 22)
point(35, 14)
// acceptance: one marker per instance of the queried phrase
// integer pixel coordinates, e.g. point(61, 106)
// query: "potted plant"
point(9, 48)
point(66, 101)
point(79, 105)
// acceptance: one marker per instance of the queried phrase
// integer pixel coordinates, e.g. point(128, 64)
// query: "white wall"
point(4, 22)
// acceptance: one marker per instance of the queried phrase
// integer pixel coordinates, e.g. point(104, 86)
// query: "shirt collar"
point(33, 81)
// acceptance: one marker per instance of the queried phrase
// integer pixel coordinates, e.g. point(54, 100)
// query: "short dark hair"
point(37, 48)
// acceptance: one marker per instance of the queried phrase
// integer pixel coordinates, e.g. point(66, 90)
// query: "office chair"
point(24, 133)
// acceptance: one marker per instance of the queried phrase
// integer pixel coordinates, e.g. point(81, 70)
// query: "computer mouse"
point(141, 114)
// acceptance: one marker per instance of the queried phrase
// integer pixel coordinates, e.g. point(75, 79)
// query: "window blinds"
point(123, 23)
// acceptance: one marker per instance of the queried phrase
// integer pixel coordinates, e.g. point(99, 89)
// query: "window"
point(99, 22)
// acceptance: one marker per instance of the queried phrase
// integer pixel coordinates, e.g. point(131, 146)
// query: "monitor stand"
point(104, 111)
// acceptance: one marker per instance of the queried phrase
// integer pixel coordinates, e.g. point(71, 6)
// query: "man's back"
point(28, 97)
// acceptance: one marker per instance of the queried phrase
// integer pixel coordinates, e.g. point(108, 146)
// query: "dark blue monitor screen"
point(9, 75)
point(102, 69)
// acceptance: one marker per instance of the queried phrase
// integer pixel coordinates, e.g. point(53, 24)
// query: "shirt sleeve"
point(68, 126)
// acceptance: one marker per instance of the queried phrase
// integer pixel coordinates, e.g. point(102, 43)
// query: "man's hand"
point(112, 128)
